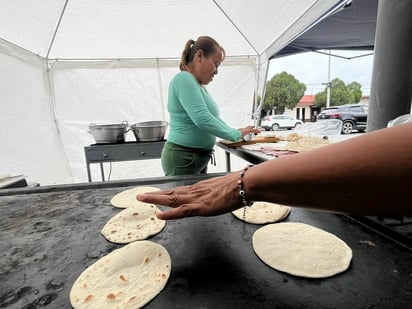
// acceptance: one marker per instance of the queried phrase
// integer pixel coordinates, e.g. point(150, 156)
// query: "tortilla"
point(304, 143)
point(301, 250)
point(262, 213)
point(127, 198)
point(133, 223)
point(128, 277)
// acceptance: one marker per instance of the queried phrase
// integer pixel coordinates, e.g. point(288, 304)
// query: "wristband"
point(242, 193)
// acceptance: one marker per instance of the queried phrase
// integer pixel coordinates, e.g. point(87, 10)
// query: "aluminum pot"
point(109, 133)
point(149, 131)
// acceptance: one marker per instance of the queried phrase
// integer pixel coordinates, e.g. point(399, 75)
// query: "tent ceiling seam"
point(56, 29)
point(22, 48)
point(127, 59)
point(236, 27)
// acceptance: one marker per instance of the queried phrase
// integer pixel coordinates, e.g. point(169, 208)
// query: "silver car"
point(276, 122)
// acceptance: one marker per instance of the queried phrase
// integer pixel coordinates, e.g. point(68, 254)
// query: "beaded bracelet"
point(242, 192)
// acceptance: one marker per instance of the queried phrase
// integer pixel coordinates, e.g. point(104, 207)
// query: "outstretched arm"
point(366, 175)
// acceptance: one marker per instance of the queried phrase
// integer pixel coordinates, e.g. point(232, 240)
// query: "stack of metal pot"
point(109, 133)
point(149, 131)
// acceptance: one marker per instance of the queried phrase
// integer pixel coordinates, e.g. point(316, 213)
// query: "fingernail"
point(141, 196)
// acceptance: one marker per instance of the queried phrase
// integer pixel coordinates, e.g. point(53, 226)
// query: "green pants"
point(180, 160)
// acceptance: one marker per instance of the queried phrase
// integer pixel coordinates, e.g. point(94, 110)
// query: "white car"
point(276, 122)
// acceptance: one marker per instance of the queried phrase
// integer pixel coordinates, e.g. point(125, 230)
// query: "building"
point(305, 110)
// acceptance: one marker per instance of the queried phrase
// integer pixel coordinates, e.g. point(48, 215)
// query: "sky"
point(311, 68)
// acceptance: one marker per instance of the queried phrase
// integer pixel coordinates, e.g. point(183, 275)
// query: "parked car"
point(276, 122)
point(353, 116)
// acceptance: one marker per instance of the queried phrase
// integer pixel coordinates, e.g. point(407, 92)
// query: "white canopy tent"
point(67, 63)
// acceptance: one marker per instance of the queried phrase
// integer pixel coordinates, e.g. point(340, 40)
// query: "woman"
point(194, 116)
point(366, 175)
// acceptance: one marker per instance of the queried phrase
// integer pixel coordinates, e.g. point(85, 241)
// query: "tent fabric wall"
point(66, 63)
point(44, 125)
point(124, 93)
point(27, 129)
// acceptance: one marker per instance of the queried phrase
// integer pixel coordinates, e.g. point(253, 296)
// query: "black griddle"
point(49, 235)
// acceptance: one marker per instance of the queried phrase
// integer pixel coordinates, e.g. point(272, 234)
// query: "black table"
point(49, 235)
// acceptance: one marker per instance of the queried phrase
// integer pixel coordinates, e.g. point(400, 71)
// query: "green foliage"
point(355, 91)
point(283, 91)
point(339, 93)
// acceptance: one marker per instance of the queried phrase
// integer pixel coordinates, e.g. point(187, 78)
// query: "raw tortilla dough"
point(262, 213)
point(127, 198)
point(128, 277)
point(301, 250)
point(133, 223)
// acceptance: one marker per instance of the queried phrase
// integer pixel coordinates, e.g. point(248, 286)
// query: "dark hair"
point(205, 43)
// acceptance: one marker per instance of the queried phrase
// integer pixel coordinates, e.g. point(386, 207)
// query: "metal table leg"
point(102, 170)
point(89, 175)
point(228, 168)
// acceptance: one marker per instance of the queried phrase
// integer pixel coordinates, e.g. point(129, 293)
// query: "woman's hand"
point(248, 130)
point(209, 197)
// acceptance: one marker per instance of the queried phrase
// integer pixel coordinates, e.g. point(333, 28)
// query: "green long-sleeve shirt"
point(194, 116)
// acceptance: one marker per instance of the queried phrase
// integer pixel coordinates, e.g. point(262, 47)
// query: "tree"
point(339, 93)
point(283, 91)
point(355, 91)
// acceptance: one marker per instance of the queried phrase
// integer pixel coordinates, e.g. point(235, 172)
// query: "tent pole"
point(391, 87)
point(260, 88)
